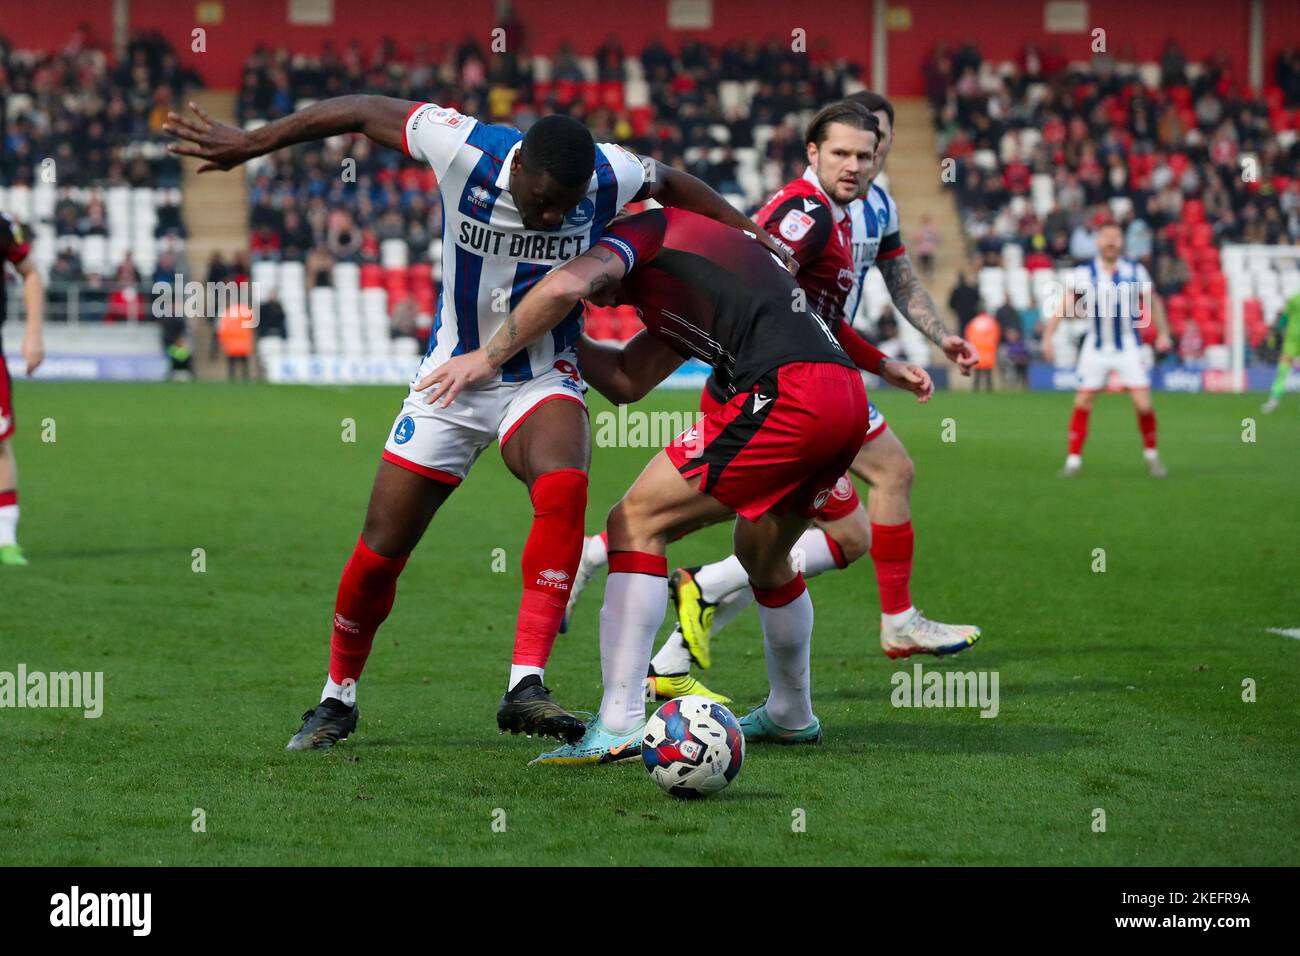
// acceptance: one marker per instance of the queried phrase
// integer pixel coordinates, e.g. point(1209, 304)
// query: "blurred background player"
point(1113, 294)
point(792, 417)
point(1288, 327)
point(16, 250)
point(514, 206)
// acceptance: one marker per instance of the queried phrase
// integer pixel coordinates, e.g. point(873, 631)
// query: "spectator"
point(270, 316)
point(235, 335)
point(926, 242)
point(1015, 357)
point(964, 300)
point(984, 333)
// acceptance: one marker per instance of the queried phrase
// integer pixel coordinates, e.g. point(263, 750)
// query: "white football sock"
point(721, 578)
point(787, 640)
point(816, 552)
point(594, 551)
point(1073, 461)
point(346, 693)
point(673, 658)
point(632, 612)
point(1150, 454)
point(731, 607)
point(519, 671)
point(8, 525)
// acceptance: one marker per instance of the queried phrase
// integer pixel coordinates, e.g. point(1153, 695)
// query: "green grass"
point(1120, 690)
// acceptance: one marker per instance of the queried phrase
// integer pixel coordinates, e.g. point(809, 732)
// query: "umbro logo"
point(341, 623)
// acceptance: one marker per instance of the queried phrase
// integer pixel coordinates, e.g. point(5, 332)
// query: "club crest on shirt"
point(581, 214)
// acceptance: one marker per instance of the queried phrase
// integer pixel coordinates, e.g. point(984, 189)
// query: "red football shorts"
point(780, 447)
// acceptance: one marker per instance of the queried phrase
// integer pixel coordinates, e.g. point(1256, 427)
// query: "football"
point(693, 747)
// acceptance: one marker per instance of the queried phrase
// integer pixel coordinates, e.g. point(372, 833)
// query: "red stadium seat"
point(1193, 211)
point(372, 276)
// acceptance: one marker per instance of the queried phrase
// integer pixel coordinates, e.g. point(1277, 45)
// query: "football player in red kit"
point(793, 416)
point(16, 250)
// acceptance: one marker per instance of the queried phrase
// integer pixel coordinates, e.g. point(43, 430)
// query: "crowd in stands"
point(83, 165)
point(1183, 155)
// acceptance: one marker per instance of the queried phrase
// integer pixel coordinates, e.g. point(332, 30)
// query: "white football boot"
point(917, 634)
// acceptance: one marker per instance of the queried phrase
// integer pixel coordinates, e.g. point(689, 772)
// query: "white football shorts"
point(443, 443)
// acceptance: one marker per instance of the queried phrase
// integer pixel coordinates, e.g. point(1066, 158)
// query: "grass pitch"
point(1120, 691)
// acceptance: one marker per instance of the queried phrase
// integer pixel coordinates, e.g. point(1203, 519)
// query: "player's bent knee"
point(854, 540)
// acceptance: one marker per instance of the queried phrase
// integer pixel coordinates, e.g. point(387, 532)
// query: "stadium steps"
point(216, 215)
point(915, 182)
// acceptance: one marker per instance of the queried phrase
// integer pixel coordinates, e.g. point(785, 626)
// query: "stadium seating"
point(997, 123)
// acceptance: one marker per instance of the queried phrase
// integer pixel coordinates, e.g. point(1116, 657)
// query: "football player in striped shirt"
point(1114, 295)
point(514, 206)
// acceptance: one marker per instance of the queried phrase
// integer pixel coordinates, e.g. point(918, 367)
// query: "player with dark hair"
point(515, 205)
point(792, 417)
point(16, 250)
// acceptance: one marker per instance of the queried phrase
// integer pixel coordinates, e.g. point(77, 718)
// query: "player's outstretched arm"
point(626, 373)
point(542, 309)
point(381, 118)
point(916, 305)
point(681, 190)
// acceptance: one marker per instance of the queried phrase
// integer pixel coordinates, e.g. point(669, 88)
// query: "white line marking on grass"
point(1286, 631)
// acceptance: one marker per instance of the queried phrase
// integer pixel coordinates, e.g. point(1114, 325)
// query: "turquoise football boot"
point(757, 725)
point(12, 555)
point(597, 745)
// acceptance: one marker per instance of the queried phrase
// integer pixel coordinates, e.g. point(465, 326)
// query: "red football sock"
point(550, 560)
point(365, 597)
point(1078, 430)
point(891, 553)
point(837, 553)
point(1147, 425)
point(8, 498)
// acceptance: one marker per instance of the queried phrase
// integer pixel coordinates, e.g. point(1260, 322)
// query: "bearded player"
point(16, 250)
point(840, 222)
point(792, 417)
point(515, 205)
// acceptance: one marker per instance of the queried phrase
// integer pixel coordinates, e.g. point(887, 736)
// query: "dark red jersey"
point(821, 236)
point(14, 248)
point(718, 294)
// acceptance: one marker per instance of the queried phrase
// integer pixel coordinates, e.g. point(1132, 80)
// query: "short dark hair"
point(873, 103)
point(561, 146)
point(850, 114)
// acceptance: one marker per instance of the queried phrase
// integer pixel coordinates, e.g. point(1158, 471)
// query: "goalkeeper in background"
point(1287, 326)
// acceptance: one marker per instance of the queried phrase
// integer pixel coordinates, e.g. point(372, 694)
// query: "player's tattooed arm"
point(916, 305)
point(910, 297)
point(381, 118)
point(681, 190)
